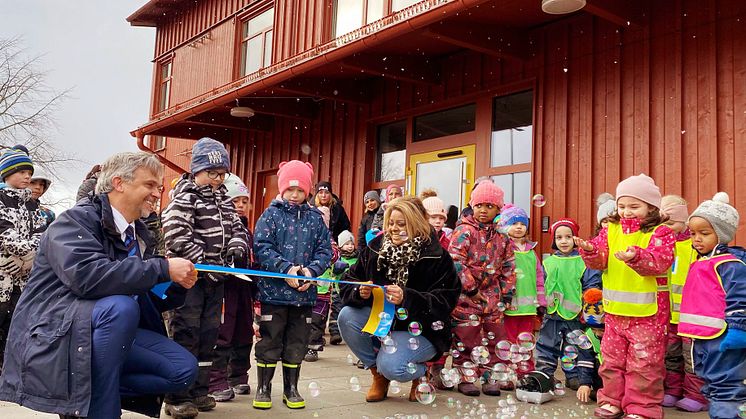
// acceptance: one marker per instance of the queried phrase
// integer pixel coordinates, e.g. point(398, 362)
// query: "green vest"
point(525, 287)
point(563, 287)
point(323, 286)
point(596, 344)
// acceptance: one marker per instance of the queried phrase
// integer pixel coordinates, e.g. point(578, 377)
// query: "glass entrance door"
point(450, 172)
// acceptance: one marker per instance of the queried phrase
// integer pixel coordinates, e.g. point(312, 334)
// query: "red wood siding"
point(301, 25)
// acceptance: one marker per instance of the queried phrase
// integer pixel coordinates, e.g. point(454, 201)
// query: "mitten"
point(340, 266)
point(371, 234)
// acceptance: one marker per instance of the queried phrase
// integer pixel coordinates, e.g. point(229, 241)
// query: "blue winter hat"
point(209, 154)
point(14, 160)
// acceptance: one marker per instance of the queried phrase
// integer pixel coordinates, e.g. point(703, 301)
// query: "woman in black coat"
point(338, 219)
point(420, 278)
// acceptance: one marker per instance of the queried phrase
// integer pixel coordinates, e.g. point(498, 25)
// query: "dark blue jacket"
point(81, 259)
point(733, 276)
point(285, 236)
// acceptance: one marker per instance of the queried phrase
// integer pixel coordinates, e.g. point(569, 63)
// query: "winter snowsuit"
point(366, 223)
point(288, 235)
point(21, 227)
point(338, 271)
point(53, 319)
point(320, 311)
point(680, 378)
point(567, 278)
point(231, 363)
point(529, 295)
point(200, 224)
point(485, 264)
point(716, 288)
point(634, 341)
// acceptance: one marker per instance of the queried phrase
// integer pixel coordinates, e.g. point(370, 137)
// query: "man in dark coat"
point(87, 329)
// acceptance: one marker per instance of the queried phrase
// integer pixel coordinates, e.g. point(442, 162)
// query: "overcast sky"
point(88, 46)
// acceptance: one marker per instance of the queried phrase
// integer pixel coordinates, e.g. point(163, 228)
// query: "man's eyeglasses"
point(214, 175)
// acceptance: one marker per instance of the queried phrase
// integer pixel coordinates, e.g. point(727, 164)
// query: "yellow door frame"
point(468, 151)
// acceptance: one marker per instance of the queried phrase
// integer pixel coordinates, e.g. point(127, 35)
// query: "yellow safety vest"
point(626, 293)
point(684, 256)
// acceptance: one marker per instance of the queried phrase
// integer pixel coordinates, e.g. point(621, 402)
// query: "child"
point(590, 359)
point(371, 201)
point(40, 184)
point(486, 267)
point(713, 307)
point(20, 232)
point(437, 216)
point(566, 280)
point(291, 238)
point(348, 257)
point(201, 225)
point(634, 250)
point(320, 312)
point(229, 374)
point(529, 281)
point(680, 378)
point(606, 209)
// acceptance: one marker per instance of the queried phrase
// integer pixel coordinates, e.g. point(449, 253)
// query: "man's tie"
point(130, 242)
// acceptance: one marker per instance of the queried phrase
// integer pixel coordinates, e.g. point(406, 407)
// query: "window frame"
point(388, 9)
point(158, 142)
point(241, 21)
point(166, 82)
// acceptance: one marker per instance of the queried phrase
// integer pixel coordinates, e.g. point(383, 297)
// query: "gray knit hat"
point(344, 237)
point(722, 216)
point(606, 206)
point(371, 195)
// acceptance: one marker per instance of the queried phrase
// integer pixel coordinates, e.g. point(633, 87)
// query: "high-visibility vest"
point(684, 256)
point(703, 300)
point(626, 293)
point(596, 344)
point(563, 286)
point(525, 300)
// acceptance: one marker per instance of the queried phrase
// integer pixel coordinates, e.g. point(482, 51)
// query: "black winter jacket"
point(365, 224)
point(430, 294)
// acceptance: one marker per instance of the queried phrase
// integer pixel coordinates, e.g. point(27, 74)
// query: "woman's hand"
point(394, 294)
point(365, 291)
point(583, 244)
point(627, 255)
point(584, 393)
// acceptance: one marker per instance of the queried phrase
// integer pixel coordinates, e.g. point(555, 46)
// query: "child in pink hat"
point(634, 251)
point(485, 265)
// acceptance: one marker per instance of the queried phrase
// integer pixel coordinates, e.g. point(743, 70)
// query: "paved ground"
point(332, 373)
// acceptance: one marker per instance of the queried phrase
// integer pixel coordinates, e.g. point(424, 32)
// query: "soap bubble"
point(450, 377)
point(584, 342)
point(314, 389)
point(480, 355)
point(401, 313)
point(519, 273)
point(415, 329)
point(523, 367)
point(394, 387)
point(305, 149)
point(500, 372)
point(425, 393)
point(639, 349)
point(414, 344)
point(502, 349)
point(485, 341)
point(742, 410)
point(526, 340)
point(526, 353)
point(538, 200)
point(354, 383)
point(455, 353)
point(491, 335)
point(490, 269)
point(567, 363)
point(437, 325)
point(571, 351)
point(469, 375)
point(350, 360)
point(501, 306)
point(411, 368)
point(515, 354)
point(559, 389)
point(388, 344)
point(460, 346)
point(474, 320)
point(573, 337)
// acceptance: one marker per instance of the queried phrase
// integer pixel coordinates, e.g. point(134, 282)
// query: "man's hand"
point(365, 291)
point(182, 272)
point(584, 393)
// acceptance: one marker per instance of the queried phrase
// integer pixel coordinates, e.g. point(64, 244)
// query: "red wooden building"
point(435, 93)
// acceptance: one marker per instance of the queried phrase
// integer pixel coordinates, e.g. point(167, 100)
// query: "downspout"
point(275, 79)
point(141, 145)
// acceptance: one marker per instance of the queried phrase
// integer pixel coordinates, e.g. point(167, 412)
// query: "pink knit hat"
point(294, 173)
point(434, 206)
point(388, 190)
point(642, 187)
point(487, 193)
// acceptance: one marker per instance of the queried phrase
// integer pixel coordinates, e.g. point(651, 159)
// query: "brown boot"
point(413, 390)
point(379, 388)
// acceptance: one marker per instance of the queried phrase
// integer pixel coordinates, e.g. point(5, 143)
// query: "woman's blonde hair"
point(332, 201)
point(414, 213)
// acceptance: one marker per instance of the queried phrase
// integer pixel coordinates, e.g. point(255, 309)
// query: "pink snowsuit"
point(484, 262)
point(633, 348)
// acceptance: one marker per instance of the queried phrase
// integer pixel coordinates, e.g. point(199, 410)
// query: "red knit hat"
point(565, 222)
point(295, 173)
point(487, 193)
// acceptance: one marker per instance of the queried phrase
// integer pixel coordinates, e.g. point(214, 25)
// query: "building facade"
point(436, 93)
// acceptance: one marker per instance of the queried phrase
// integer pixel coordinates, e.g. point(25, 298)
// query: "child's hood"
point(736, 251)
point(292, 209)
point(471, 221)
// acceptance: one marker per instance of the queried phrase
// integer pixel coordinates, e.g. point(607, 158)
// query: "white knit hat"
point(606, 206)
point(235, 187)
point(722, 216)
point(344, 237)
point(434, 206)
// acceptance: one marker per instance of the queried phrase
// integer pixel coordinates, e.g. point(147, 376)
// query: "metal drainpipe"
point(274, 79)
point(141, 145)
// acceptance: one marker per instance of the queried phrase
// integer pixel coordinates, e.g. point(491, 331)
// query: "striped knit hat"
point(14, 160)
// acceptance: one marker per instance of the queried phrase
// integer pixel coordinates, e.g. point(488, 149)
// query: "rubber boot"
point(263, 396)
point(379, 388)
point(290, 395)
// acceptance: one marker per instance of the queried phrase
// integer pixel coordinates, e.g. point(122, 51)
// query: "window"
point(164, 90)
point(511, 148)
point(448, 122)
point(391, 151)
point(256, 42)
point(353, 14)
point(157, 142)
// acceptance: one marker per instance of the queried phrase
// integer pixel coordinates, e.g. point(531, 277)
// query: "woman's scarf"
point(396, 259)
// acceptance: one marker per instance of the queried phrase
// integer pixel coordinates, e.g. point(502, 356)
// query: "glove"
point(339, 267)
point(734, 339)
point(371, 234)
point(235, 256)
